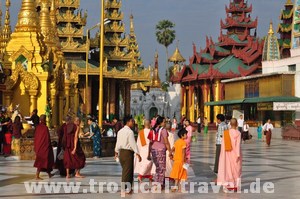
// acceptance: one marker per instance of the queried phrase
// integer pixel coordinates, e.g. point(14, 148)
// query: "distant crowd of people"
point(160, 153)
point(162, 148)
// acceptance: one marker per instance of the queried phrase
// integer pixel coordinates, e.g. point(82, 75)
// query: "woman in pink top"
point(158, 146)
point(188, 140)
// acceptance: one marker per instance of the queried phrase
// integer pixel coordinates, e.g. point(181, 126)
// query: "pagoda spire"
point(131, 24)
point(133, 46)
point(6, 31)
point(155, 75)
point(27, 38)
point(46, 25)
point(271, 49)
point(28, 17)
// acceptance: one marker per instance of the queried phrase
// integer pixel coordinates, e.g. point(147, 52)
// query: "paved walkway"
point(278, 164)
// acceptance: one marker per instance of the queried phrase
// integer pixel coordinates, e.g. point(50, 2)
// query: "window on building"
point(292, 67)
point(251, 89)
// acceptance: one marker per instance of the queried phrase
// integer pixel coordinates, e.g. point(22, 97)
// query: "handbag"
point(60, 156)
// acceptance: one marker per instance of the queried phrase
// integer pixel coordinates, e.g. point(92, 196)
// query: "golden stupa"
point(43, 60)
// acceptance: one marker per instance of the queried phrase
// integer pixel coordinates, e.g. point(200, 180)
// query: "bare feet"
point(68, 176)
point(39, 178)
point(140, 179)
point(79, 176)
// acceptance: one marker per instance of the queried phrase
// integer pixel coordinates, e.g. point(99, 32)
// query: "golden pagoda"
point(39, 77)
point(177, 59)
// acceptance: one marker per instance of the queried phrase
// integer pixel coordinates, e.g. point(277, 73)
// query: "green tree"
point(165, 35)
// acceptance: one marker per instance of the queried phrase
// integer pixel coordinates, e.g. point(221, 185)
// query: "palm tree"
point(165, 35)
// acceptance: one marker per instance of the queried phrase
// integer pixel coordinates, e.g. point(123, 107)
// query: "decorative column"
point(33, 99)
point(183, 101)
point(191, 104)
point(8, 97)
point(112, 97)
point(88, 107)
point(76, 99)
point(60, 107)
point(127, 98)
point(205, 91)
point(217, 109)
point(53, 104)
point(71, 98)
point(67, 95)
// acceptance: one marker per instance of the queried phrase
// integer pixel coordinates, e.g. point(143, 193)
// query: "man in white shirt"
point(267, 128)
point(240, 124)
point(125, 149)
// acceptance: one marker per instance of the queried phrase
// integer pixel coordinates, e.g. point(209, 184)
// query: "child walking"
point(178, 172)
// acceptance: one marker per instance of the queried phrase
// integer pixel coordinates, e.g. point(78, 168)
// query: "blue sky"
point(194, 20)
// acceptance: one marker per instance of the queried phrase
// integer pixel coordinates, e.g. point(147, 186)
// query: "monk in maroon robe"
point(74, 157)
point(44, 160)
point(59, 164)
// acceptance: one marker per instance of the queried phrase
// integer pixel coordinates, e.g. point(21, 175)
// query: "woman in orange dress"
point(178, 172)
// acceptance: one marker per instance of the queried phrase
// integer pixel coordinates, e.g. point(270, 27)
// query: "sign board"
point(264, 106)
point(286, 106)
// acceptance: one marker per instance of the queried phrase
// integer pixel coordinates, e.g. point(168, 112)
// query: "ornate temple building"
point(123, 65)
point(238, 52)
point(274, 93)
point(43, 60)
point(157, 101)
point(37, 78)
point(285, 28)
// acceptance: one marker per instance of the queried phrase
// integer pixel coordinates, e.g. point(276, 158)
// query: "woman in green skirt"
point(205, 125)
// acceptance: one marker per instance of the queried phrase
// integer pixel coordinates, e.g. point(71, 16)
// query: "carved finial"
point(45, 22)
point(131, 24)
point(271, 31)
point(28, 17)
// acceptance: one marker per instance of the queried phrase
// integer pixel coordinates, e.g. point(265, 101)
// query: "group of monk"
point(70, 156)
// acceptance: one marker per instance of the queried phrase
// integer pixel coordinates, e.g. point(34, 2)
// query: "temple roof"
point(228, 67)
point(176, 57)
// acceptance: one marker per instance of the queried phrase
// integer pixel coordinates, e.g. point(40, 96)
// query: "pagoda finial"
point(131, 24)
point(28, 17)
point(289, 2)
point(155, 76)
point(271, 31)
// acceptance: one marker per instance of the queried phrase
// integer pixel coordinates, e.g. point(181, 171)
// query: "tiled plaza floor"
point(279, 164)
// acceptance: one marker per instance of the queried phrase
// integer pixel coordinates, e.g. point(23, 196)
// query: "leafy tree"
point(165, 35)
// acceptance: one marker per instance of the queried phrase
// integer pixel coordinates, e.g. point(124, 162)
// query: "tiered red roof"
point(239, 43)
